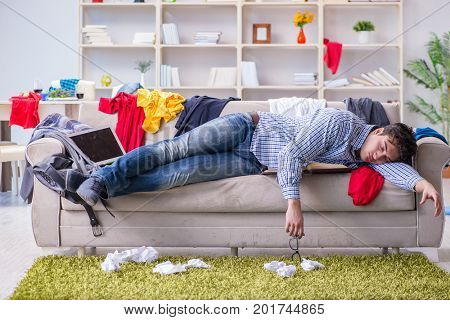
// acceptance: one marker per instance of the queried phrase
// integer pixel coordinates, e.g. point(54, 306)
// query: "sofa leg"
point(384, 250)
point(234, 251)
point(81, 252)
point(396, 250)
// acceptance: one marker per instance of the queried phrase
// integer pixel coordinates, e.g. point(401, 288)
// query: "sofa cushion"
point(256, 193)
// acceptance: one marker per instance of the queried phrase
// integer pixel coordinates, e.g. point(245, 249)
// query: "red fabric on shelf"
point(332, 55)
point(364, 186)
point(24, 110)
point(129, 119)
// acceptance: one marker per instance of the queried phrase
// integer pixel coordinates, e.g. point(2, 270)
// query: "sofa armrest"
point(432, 155)
point(46, 205)
point(40, 149)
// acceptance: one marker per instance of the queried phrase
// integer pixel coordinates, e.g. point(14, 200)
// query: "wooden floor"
point(18, 249)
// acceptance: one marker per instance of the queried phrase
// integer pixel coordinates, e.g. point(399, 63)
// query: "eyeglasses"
point(293, 244)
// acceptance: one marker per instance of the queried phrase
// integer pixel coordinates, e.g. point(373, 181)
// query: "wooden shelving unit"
point(276, 62)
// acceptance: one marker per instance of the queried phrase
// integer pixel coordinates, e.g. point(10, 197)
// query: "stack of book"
point(205, 37)
point(222, 77)
point(377, 78)
point(249, 75)
point(144, 38)
point(96, 34)
point(170, 33)
point(336, 83)
point(305, 78)
point(169, 76)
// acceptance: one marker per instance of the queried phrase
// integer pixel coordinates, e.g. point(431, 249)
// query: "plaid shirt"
point(327, 135)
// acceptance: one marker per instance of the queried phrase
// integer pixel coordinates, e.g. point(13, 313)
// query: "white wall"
point(27, 53)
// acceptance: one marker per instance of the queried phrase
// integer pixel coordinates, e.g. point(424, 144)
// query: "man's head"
point(391, 143)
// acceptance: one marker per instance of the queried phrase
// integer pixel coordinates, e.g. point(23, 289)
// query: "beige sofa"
point(244, 211)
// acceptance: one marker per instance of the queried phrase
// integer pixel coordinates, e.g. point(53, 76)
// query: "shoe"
point(74, 179)
point(91, 189)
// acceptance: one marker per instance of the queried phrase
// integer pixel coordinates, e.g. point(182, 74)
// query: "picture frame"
point(261, 33)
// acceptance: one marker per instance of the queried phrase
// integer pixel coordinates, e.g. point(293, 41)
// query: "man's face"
point(378, 149)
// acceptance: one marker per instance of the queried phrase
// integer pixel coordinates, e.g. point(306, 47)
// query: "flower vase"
point(142, 82)
point(363, 37)
point(301, 37)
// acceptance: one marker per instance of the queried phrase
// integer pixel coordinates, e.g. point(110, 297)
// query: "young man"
point(247, 143)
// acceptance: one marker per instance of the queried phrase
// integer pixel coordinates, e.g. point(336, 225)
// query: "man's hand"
point(294, 219)
point(429, 192)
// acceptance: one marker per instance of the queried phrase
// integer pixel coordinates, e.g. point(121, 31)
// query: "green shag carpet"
point(399, 276)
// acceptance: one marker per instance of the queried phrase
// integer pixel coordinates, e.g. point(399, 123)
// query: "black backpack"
point(56, 173)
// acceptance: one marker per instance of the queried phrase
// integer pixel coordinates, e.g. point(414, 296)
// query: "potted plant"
point(300, 19)
point(143, 66)
point(363, 28)
point(435, 78)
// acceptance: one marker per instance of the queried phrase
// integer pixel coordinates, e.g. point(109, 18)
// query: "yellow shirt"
point(158, 105)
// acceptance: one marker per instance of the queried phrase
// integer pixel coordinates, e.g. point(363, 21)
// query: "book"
point(379, 83)
point(249, 76)
point(95, 26)
point(336, 83)
point(175, 77)
point(212, 76)
point(225, 77)
point(162, 75)
point(169, 76)
point(367, 78)
point(361, 81)
point(382, 78)
point(389, 76)
point(93, 30)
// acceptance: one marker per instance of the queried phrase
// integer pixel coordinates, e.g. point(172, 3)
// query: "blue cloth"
point(215, 150)
point(327, 135)
point(130, 88)
point(199, 110)
point(428, 132)
point(69, 84)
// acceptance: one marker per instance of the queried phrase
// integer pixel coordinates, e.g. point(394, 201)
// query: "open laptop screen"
point(100, 145)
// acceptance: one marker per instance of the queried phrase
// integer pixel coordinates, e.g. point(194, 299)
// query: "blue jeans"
point(215, 150)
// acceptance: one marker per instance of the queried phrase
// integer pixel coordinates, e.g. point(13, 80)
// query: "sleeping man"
point(248, 143)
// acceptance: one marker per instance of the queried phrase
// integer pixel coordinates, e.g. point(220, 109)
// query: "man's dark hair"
point(403, 138)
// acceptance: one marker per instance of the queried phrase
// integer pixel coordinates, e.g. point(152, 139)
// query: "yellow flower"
point(303, 18)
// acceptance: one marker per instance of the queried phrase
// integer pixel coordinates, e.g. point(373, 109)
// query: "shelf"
point(118, 5)
point(119, 46)
point(369, 45)
point(282, 88)
point(281, 45)
point(280, 4)
point(363, 4)
point(197, 88)
point(202, 46)
point(199, 4)
point(347, 88)
point(275, 61)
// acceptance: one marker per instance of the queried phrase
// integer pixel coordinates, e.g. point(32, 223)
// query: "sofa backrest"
point(90, 115)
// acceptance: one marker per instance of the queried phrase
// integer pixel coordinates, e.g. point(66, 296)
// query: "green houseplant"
point(363, 28)
point(143, 66)
point(435, 78)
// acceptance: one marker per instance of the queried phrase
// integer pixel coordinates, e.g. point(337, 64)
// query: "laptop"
point(101, 145)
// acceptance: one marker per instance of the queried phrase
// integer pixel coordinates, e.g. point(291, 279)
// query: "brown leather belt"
point(255, 118)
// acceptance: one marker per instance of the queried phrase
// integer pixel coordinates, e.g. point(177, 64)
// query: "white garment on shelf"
point(295, 107)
